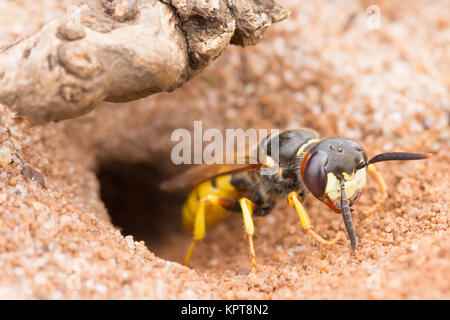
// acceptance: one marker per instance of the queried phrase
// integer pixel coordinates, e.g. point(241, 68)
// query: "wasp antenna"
point(345, 208)
point(362, 165)
point(399, 156)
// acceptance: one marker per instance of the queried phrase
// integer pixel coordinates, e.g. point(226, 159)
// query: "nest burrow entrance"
point(135, 204)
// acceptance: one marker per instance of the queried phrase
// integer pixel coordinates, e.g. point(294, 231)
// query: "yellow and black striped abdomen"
point(220, 187)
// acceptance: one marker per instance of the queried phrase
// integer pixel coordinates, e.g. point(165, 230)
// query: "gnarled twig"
point(121, 50)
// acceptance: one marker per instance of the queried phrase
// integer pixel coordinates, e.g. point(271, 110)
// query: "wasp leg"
point(199, 230)
point(200, 222)
point(294, 201)
point(383, 189)
point(247, 212)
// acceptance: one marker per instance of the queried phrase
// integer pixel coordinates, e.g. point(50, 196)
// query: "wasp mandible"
point(334, 170)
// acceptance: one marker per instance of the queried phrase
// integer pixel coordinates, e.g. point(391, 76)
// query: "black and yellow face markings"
point(334, 170)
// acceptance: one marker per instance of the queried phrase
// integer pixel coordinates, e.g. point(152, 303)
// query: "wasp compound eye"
point(313, 172)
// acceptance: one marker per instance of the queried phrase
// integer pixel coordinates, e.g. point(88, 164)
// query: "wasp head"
point(335, 172)
point(331, 162)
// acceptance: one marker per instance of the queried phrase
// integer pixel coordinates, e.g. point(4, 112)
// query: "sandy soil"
point(102, 229)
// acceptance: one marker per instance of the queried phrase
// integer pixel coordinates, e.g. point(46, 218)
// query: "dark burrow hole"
point(136, 205)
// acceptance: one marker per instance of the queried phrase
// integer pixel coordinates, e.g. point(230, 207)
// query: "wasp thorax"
point(328, 163)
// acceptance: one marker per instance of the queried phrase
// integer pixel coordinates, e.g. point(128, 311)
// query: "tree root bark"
point(122, 50)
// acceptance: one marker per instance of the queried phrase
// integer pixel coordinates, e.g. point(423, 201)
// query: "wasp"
point(334, 170)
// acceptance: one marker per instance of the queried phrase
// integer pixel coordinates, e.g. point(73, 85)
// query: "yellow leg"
point(189, 252)
point(294, 201)
point(383, 189)
point(247, 211)
point(200, 220)
point(199, 226)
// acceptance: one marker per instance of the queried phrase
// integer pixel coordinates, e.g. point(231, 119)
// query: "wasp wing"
point(245, 160)
point(204, 172)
